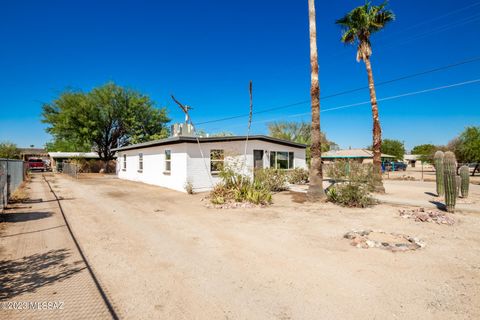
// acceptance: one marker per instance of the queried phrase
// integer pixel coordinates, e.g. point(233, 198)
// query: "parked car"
point(36, 164)
point(395, 166)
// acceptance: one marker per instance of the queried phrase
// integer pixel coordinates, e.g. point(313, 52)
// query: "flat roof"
point(351, 153)
point(185, 139)
point(60, 154)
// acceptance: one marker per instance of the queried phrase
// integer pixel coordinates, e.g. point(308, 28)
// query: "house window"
point(140, 162)
point(124, 162)
point(168, 160)
point(216, 160)
point(281, 160)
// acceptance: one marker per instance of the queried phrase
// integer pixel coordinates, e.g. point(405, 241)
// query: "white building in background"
point(175, 161)
point(412, 160)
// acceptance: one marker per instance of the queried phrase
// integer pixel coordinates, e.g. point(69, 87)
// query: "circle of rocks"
point(401, 242)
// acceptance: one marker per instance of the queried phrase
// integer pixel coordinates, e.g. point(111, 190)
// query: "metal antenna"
point(185, 110)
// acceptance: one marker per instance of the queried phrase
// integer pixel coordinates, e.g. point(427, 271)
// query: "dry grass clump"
point(19, 196)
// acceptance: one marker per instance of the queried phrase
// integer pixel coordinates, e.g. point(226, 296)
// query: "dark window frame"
point(168, 161)
point(220, 160)
point(290, 158)
point(140, 162)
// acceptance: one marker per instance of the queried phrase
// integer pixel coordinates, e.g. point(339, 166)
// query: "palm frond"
point(349, 36)
point(358, 25)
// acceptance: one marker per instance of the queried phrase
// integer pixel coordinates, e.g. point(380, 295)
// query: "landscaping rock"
point(379, 239)
point(422, 215)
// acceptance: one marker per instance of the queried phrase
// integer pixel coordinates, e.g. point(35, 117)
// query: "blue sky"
point(205, 52)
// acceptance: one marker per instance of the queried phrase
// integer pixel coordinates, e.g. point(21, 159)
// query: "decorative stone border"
point(388, 241)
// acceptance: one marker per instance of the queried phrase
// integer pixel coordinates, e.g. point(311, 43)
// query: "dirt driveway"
point(164, 255)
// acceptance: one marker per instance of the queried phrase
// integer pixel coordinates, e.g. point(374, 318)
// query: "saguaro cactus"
point(465, 175)
point(439, 155)
point(450, 180)
point(458, 182)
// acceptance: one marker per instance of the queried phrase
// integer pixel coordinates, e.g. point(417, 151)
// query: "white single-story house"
point(175, 161)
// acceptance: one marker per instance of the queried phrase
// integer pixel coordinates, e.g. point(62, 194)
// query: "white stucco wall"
point(234, 154)
point(154, 166)
point(188, 165)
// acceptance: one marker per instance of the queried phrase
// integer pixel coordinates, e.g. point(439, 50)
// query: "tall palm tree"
point(358, 25)
point(315, 189)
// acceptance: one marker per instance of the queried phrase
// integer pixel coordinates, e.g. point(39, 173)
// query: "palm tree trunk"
point(315, 189)
point(377, 132)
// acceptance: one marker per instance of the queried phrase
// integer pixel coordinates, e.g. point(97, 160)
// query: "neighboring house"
point(57, 158)
point(412, 160)
point(359, 155)
point(173, 162)
point(37, 153)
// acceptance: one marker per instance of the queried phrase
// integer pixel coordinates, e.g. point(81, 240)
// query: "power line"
point(412, 93)
point(439, 29)
point(444, 27)
point(445, 67)
point(428, 21)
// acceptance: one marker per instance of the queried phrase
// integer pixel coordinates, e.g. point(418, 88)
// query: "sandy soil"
point(428, 174)
point(423, 193)
point(162, 254)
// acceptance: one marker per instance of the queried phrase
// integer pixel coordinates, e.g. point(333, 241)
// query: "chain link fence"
point(12, 174)
point(72, 169)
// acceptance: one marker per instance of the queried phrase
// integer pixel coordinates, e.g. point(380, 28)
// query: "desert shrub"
point(253, 192)
point(94, 165)
point(350, 195)
point(297, 176)
point(240, 188)
point(189, 187)
point(351, 171)
point(221, 194)
point(271, 179)
point(232, 178)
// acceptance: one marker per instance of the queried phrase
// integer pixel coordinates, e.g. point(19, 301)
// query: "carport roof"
point(185, 139)
point(351, 153)
point(59, 154)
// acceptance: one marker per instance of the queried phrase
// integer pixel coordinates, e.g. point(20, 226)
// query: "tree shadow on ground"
point(29, 273)
point(23, 216)
point(431, 194)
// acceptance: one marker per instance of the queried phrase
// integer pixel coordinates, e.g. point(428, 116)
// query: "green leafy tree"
point(425, 152)
point(358, 26)
point(105, 118)
point(298, 132)
point(222, 134)
point(9, 150)
point(468, 147)
point(66, 146)
point(202, 133)
point(394, 148)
